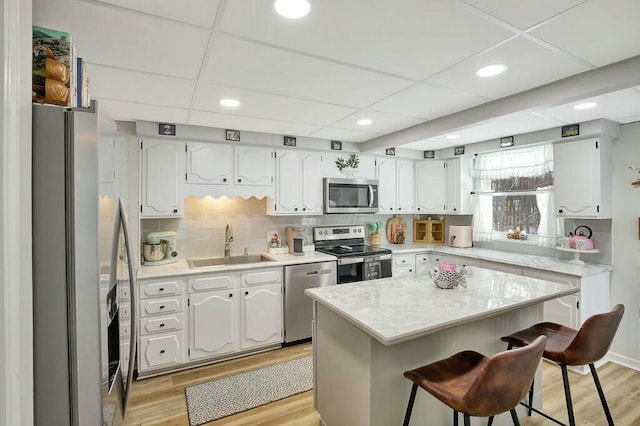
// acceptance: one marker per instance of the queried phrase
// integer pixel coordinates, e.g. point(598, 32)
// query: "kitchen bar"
point(367, 335)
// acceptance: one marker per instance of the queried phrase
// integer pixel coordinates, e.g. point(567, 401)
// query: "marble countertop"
point(394, 310)
point(517, 259)
point(181, 267)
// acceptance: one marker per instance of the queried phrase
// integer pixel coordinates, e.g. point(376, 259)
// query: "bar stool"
point(476, 385)
point(566, 346)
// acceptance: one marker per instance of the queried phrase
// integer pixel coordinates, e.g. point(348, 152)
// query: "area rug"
point(223, 397)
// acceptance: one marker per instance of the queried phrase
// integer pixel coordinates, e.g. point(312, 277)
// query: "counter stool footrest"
point(545, 415)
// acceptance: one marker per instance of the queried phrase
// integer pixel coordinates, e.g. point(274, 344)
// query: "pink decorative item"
point(582, 233)
point(447, 266)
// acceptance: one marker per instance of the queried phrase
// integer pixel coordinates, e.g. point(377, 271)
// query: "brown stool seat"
point(476, 385)
point(567, 346)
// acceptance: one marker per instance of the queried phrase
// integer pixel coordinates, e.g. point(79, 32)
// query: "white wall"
point(16, 324)
point(625, 286)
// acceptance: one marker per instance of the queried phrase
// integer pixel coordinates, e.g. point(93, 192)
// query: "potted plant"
point(348, 167)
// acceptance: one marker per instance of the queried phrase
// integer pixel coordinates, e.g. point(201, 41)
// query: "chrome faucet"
point(228, 238)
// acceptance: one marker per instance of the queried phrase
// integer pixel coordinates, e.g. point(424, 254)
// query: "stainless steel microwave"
point(350, 195)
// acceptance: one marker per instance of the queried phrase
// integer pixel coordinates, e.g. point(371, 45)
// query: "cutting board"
point(396, 230)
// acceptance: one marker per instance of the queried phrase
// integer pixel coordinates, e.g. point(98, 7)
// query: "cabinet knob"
point(162, 325)
point(161, 289)
point(391, 208)
point(295, 209)
point(175, 210)
point(224, 179)
point(246, 292)
point(304, 209)
point(230, 294)
point(418, 208)
point(239, 180)
point(560, 211)
point(161, 306)
point(399, 208)
point(454, 209)
point(162, 351)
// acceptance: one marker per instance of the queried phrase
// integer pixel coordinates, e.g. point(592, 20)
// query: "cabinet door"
point(213, 324)
point(162, 171)
point(452, 193)
point(288, 185)
point(209, 164)
point(254, 166)
point(261, 315)
point(430, 186)
point(563, 310)
point(311, 175)
point(423, 264)
point(386, 185)
point(161, 350)
point(367, 167)
point(405, 186)
point(576, 177)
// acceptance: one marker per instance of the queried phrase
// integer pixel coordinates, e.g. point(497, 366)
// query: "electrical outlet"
point(270, 235)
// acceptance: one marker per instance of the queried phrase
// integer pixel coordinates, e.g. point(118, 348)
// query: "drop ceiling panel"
point(198, 12)
point(598, 31)
point(515, 124)
point(129, 111)
point(524, 13)
point(333, 133)
point(383, 122)
point(613, 106)
point(413, 38)
point(239, 63)
point(530, 65)
point(224, 121)
point(263, 105)
point(117, 38)
point(425, 145)
point(427, 101)
point(139, 87)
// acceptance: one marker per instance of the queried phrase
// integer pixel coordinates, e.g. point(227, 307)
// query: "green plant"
point(353, 161)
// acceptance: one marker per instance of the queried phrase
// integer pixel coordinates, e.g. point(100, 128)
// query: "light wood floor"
point(161, 401)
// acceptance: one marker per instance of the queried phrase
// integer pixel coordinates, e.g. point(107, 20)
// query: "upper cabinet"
point(366, 167)
point(395, 185)
point(582, 178)
point(298, 184)
point(162, 165)
point(112, 167)
point(459, 184)
point(209, 164)
point(431, 178)
point(253, 166)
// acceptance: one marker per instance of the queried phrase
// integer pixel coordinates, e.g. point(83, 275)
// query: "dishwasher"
point(298, 307)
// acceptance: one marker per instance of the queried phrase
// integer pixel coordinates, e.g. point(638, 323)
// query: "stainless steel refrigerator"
point(81, 341)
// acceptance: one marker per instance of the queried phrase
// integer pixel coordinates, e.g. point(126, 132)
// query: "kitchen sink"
point(233, 260)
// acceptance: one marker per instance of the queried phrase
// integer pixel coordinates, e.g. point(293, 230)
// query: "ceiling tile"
point(383, 122)
point(130, 111)
point(427, 101)
point(224, 121)
point(108, 36)
point(140, 87)
point(425, 145)
point(412, 38)
point(613, 106)
point(199, 12)
point(598, 31)
point(243, 64)
point(530, 65)
point(524, 13)
point(344, 134)
point(263, 105)
point(518, 123)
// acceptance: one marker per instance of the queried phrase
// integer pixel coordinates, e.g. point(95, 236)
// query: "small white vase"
point(349, 171)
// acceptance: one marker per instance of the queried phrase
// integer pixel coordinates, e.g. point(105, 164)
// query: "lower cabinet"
point(163, 350)
point(403, 265)
point(261, 315)
point(213, 324)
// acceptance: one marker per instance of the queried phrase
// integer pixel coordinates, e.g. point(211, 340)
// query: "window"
point(514, 193)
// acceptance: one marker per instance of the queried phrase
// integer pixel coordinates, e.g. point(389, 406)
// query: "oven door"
point(350, 195)
point(350, 269)
point(376, 267)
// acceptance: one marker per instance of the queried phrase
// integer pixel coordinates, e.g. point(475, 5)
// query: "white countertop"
point(393, 310)
point(518, 259)
point(182, 268)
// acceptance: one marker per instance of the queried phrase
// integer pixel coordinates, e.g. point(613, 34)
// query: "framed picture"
point(167, 129)
point(390, 151)
point(428, 154)
point(458, 150)
point(336, 145)
point(506, 142)
point(572, 130)
point(289, 141)
point(233, 135)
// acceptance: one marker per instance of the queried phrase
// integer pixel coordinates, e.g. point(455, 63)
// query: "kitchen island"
point(367, 334)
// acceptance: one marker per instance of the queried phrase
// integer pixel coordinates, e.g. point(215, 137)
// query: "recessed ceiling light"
point(585, 105)
point(293, 9)
point(453, 136)
point(229, 103)
point(364, 121)
point(491, 70)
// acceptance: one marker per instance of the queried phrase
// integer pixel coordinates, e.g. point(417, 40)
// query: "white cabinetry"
point(430, 183)
point(253, 166)
point(459, 186)
point(583, 178)
point(213, 318)
point(161, 173)
point(209, 164)
point(395, 186)
point(261, 315)
point(161, 323)
point(423, 263)
point(403, 264)
point(298, 184)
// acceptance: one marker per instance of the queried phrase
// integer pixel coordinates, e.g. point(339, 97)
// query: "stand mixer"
point(160, 248)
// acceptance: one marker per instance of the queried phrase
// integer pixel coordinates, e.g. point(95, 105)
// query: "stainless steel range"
point(356, 260)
